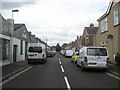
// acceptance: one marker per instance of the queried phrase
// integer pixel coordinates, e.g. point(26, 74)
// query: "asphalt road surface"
point(60, 72)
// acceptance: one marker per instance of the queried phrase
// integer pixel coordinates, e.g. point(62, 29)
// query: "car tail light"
point(85, 59)
point(43, 56)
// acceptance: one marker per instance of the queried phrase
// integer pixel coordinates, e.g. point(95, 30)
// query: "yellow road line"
point(113, 76)
point(12, 77)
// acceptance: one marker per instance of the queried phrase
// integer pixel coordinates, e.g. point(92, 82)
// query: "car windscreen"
point(96, 52)
point(35, 49)
point(69, 51)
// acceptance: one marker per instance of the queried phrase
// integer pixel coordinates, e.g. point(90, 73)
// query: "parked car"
point(62, 52)
point(69, 53)
point(50, 54)
point(54, 52)
point(93, 57)
point(75, 57)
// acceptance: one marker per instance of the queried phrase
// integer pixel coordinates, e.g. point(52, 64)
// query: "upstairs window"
point(104, 25)
point(116, 15)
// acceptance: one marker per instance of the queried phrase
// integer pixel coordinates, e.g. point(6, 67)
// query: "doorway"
point(14, 53)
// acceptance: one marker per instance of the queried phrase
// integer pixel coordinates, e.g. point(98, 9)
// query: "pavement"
point(11, 69)
point(114, 69)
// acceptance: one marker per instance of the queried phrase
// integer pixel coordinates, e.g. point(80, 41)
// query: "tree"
point(64, 46)
point(58, 47)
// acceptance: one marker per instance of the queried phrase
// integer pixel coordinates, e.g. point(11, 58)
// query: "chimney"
point(33, 35)
point(91, 25)
point(29, 33)
point(10, 20)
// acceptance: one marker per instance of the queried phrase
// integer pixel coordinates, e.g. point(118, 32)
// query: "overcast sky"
point(59, 21)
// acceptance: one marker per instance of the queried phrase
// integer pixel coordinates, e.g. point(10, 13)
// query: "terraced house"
point(5, 33)
point(108, 34)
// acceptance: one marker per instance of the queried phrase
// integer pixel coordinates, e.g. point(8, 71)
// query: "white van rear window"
point(35, 49)
point(96, 52)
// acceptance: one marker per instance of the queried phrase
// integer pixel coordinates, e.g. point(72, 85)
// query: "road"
point(60, 72)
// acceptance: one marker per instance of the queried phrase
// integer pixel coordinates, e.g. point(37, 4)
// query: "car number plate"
point(92, 63)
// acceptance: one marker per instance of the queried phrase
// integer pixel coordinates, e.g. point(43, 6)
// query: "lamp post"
point(46, 45)
point(11, 38)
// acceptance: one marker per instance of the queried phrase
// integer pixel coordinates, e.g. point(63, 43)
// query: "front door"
point(26, 44)
point(14, 53)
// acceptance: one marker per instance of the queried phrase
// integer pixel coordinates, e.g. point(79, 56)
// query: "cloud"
point(11, 4)
point(58, 20)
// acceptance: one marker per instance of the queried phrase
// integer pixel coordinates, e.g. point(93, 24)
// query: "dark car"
point(50, 54)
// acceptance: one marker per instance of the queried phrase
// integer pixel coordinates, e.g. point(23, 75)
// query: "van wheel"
point(104, 70)
point(82, 67)
point(28, 62)
point(43, 62)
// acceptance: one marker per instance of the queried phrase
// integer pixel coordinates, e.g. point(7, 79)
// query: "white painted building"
point(5, 32)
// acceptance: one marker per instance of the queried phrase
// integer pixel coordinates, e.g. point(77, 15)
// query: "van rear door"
point(97, 56)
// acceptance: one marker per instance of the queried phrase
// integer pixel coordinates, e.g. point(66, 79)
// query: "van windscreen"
point(35, 49)
point(96, 52)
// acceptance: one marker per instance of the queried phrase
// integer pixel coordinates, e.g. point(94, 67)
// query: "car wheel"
point(71, 60)
point(77, 65)
point(75, 62)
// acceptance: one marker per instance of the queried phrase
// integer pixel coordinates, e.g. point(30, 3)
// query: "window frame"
point(104, 25)
point(116, 16)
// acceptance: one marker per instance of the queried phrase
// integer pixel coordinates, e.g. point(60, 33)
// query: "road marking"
point(115, 73)
point(13, 73)
point(113, 76)
point(62, 68)
point(59, 59)
point(66, 80)
point(12, 77)
point(60, 62)
point(67, 83)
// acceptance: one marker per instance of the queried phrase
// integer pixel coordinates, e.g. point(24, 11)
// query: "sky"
point(58, 21)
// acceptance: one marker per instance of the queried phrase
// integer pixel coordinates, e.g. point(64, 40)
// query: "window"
point(96, 52)
point(104, 25)
point(35, 49)
point(116, 14)
point(21, 47)
point(5, 49)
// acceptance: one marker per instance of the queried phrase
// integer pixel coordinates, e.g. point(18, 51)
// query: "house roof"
point(108, 10)
point(91, 30)
point(17, 26)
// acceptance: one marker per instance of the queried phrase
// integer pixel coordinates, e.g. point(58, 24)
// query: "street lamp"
point(46, 44)
point(11, 38)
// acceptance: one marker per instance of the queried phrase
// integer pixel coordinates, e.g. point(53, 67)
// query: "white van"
point(69, 53)
point(93, 57)
point(36, 54)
